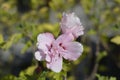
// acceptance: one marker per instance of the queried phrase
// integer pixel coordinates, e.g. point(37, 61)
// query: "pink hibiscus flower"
point(53, 51)
point(71, 24)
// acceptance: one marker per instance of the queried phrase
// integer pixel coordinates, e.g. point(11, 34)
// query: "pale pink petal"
point(39, 56)
point(71, 24)
point(72, 51)
point(65, 38)
point(48, 58)
point(44, 41)
point(69, 20)
point(56, 64)
point(78, 31)
point(61, 40)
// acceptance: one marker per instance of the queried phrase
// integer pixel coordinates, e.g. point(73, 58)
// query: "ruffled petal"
point(70, 23)
point(78, 31)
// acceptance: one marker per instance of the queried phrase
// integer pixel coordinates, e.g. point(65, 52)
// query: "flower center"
point(62, 46)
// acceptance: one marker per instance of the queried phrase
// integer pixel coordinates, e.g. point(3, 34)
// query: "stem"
point(65, 76)
point(92, 76)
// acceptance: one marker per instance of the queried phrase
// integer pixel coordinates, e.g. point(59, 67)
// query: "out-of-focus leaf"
point(102, 68)
point(71, 78)
point(92, 32)
point(13, 39)
point(43, 10)
point(57, 5)
point(9, 77)
point(52, 28)
point(1, 39)
point(29, 71)
point(113, 78)
point(116, 40)
point(116, 9)
point(101, 55)
point(27, 45)
point(118, 1)
point(87, 5)
point(48, 27)
point(66, 66)
point(43, 76)
point(99, 77)
point(56, 30)
point(59, 76)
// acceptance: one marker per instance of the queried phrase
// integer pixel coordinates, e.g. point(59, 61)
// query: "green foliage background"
point(16, 26)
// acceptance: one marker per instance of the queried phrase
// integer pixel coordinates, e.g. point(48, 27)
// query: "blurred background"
point(22, 20)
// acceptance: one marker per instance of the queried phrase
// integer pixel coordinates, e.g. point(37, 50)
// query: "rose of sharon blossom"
point(71, 24)
point(53, 51)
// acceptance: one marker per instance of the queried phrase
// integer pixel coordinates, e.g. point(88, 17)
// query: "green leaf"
point(113, 78)
point(99, 77)
point(92, 32)
point(43, 76)
point(1, 39)
point(13, 39)
point(116, 40)
point(58, 76)
point(27, 45)
point(8, 77)
point(118, 1)
point(29, 71)
point(101, 55)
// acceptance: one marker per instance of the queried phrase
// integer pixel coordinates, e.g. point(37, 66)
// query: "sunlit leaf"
point(12, 40)
point(100, 77)
point(1, 39)
point(29, 71)
point(27, 45)
point(8, 77)
point(101, 55)
point(113, 78)
point(116, 40)
point(118, 1)
point(43, 76)
point(92, 32)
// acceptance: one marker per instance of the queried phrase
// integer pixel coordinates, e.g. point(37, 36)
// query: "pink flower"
point(71, 24)
point(53, 51)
